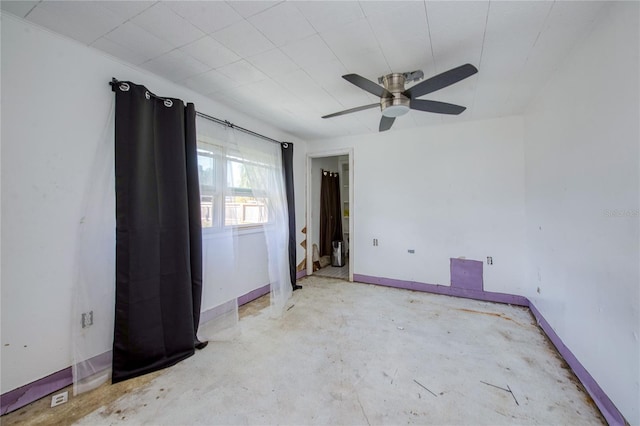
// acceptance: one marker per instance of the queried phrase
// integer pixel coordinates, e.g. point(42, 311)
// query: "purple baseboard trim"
point(33, 391)
point(612, 415)
point(486, 296)
point(608, 409)
point(301, 274)
point(254, 294)
point(28, 393)
point(216, 311)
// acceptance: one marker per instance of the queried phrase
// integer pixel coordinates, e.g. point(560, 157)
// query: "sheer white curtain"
point(266, 177)
point(246, 196)
point(94, 283)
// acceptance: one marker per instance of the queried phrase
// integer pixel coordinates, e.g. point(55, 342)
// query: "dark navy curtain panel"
point(158, 232)
point(330, 212)
point(287, 167)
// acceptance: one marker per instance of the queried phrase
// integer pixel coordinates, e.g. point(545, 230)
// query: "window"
point(233, 188)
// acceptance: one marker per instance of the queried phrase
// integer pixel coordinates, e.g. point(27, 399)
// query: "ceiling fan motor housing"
point(399, 104)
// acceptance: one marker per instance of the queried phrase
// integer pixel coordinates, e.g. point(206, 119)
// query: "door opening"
point(330, 250)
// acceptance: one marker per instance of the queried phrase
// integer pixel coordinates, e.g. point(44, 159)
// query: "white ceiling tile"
point(562, 30)
point(313, 96)
point(273, 62)
point(326, 15)
point(414, 55)
point(175, 66)
point(164, 23)
point(327, 74)
point(385, 8)
point(309, 51)
point(244, 39)
point(369, 63)
point(18, 8)
point(282, 24)
point(457, 31)
point(82, 21)
point(228, 98)
point(504, 58)
point(210, 82)
point(209, 16)
point(349, 95)
point(138, 40)
point(125, 9)
point(242, 72)
point(353, 37)
point(119, 51)
point(267, 97)
point(250, 8)
point(211, 52)
point(409, 49)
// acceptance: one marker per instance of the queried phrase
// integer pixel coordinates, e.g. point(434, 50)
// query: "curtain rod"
point(233, 126)
point(114, 81)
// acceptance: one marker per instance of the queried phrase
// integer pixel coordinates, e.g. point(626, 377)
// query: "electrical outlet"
point(60, 398)
point(489, 260)
point(375, 242)
point(87, 319)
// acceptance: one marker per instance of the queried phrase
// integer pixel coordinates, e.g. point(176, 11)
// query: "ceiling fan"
point(396, 101)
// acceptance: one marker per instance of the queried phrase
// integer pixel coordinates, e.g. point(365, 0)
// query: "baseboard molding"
point(612, 415)
point(466, 293)
point(254, 294)
point(31, 392)
point(608, 409)
point(301, 274)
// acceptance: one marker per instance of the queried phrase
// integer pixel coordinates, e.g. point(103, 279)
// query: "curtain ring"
point(285, 145)
point(168, 103)
point(124, 87)
point(147, 95)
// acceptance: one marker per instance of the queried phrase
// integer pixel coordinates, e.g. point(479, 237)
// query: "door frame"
point(321, 154)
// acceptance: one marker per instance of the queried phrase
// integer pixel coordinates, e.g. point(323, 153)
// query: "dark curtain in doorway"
point(158, 232)
point(287, 167)
point(330, 214)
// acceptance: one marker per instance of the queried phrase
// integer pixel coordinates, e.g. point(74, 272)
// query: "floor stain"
point(493, 314)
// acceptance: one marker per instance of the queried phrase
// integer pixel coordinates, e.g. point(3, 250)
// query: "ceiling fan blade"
point(435, 106)
point(368, 85)
point(356, 109)
point(386, 123)
point(441, 81)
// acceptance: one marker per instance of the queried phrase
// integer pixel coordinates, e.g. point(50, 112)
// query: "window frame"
point(222, 155)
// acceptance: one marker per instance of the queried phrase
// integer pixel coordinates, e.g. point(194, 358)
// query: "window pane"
point(207, 171)
point(241, 210)
point(208, 212)
point(246, 175)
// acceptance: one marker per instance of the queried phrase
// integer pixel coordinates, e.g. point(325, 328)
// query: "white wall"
point(581, 146)
point(55, 105)
point(444, 191)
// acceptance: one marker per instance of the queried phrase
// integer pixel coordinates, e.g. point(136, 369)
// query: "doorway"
point(340, 163)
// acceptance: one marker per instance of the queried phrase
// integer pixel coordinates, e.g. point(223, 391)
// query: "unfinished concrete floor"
point(347, 353)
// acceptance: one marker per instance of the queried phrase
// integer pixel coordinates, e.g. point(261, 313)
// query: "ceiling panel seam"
point(426, 15)
point(484, 38)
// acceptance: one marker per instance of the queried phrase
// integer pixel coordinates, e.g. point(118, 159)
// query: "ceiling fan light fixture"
point(395, 110)
point(395, 107)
